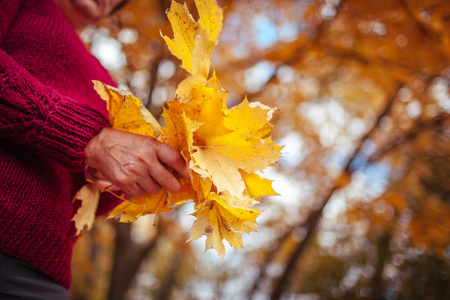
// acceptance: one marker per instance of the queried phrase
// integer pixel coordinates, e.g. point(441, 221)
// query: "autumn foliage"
point(362, 92)
point(222, 147)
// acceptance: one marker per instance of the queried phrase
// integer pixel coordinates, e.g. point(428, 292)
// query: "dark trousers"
point(20, 280)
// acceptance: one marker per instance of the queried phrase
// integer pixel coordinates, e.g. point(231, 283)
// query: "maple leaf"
point(221, 141)
point(210, 17)
point(132, 209)
point(206, 107)
point(184, 29)
point(201, 54)
point(220, 154)
point(184, 89)
point(193, 42)
point(257, 186)
point(179, 130)
point(126, 112)
point(89, 196)
point(186, 193)
point(218, 220)
point(202, 186)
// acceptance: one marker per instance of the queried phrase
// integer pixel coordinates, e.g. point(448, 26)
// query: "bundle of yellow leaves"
point(223, 147)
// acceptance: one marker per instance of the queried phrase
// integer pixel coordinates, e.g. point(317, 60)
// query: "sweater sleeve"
point(37, 116)
point(8, 12)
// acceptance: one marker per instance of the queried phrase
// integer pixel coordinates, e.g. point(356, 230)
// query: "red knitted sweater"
point(48, 113)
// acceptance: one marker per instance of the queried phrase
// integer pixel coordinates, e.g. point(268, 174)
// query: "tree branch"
point(420, 24)
point(270, 254)
point(313, 219)
point(153, 78)
point(127, 259)
point(383, 253)
point(169, 281)
point(411, 135)
point(353, 55)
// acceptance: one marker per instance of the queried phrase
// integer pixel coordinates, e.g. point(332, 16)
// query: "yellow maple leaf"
point(126, 112)
point(202, 186)
point(193, 42)
point(226, 140)
point(179, 130)
point(184, 30)
point(221, 157)
point(257, 186)
point(89, 195)
point(187, 192)
point(257, 116)
point(207, 107)
point(218, 220)
point(130, 210)
point(210, 17)
point(202, 53)
point(184, 88)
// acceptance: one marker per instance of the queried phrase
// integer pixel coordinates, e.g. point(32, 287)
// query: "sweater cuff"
point(67, 131)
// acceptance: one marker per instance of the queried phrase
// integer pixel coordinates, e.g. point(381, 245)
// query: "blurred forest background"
point(363, 91)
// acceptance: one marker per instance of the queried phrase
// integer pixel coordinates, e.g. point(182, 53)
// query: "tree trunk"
point(127, 260)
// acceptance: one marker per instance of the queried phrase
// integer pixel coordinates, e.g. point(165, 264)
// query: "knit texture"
point(48, 113)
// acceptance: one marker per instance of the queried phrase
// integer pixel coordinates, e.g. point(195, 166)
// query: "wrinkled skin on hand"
point(134, 163)
point(95, 176)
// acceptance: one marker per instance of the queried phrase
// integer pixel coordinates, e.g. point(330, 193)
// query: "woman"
point(53, 124)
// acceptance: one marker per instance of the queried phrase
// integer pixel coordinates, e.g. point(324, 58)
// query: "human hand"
point(134, 163)
point(99, 180)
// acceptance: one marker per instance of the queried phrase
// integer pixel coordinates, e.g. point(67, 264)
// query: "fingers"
point(128, 177)
point(146, 184)
point(137, 190)
point(98, 179)
point(165, 178)
point(134, 163)
point(172, 158)
point(149, 185)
